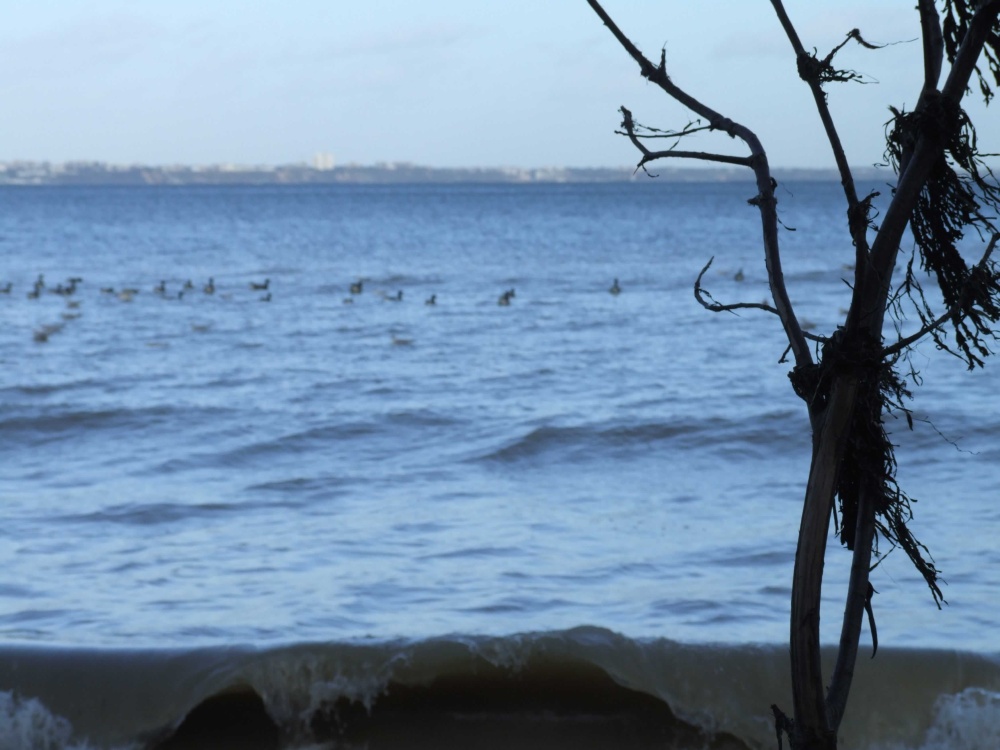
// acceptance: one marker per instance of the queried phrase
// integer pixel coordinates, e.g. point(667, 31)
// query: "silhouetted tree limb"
point(706, 300)
point(858, 221)
point(766, 202)
point(933, 44)
point(647, 156)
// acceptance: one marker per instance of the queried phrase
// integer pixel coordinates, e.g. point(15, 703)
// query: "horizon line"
point(390, 166)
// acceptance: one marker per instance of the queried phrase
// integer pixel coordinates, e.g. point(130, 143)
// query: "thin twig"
point(647, 156)
point(706, 300)
point(742, 161)
point(714, 306)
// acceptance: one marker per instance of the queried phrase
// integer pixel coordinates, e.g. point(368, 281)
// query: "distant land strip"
point(99, 173)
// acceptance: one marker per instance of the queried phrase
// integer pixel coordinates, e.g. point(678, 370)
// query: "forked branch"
point(647, 155)
point(706, 300)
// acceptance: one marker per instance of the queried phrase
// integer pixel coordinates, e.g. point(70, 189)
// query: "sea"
point(392, 466)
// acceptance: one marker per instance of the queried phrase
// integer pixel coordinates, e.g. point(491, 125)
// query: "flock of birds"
point(68, 290)
point(126, 294)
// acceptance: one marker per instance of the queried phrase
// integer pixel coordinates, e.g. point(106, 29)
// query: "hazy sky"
point(436, 82)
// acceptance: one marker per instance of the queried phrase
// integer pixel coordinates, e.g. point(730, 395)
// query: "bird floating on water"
point(210, 286)
point(506, 297)
point(432, 300)
point(615, 288)
point(357, 287)
point(260, 287)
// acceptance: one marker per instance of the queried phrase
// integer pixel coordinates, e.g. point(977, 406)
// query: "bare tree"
point(943, 192)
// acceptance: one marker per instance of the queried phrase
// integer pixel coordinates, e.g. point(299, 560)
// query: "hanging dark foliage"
point(960, 193)
point(869, 459)
point(955, 24)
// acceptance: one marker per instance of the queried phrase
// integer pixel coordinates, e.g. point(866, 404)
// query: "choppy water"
point(203, 471)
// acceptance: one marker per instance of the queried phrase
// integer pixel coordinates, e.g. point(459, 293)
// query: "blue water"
point(216, 469)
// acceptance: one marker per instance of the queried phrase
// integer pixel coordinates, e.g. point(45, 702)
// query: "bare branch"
point(710, 304)
point(706, 300)
point(859, 228)
point(933, 43)
point(766, 203)
point(667, 134)
point(955, 310)
point(930, 26)
point(647, 156)
point(648, 131)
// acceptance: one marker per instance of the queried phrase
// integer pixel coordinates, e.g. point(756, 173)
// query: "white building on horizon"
point(323, 161)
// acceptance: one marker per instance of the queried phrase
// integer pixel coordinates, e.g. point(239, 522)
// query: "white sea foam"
point(969, 719)
point(25, 724)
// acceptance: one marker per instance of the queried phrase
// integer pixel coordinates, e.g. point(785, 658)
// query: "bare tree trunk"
point(812, 726)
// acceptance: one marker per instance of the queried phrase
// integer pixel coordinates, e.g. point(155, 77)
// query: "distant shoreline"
point(97, 173)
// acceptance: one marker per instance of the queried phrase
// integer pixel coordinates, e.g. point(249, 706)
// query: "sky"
point(443, 83)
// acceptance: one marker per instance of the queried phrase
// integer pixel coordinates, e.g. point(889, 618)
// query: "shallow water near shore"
point(310, 495)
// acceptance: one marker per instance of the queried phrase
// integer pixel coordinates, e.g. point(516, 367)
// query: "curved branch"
point(700, 294)
point(765, 202)
point(858, 600)
point(705, 300)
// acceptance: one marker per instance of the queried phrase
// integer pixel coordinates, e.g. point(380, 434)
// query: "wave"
point(581, 688)
point(759, 435)
point(60, 419)
point(295, 443)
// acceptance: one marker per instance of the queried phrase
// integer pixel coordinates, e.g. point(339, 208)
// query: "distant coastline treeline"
point(99, 173)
